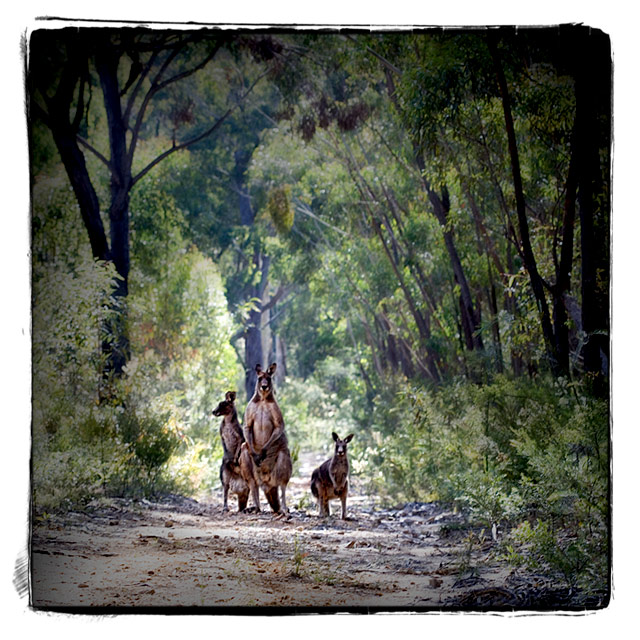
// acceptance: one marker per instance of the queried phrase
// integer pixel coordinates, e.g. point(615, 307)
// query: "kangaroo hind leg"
point(271, 494)
point(243, 498)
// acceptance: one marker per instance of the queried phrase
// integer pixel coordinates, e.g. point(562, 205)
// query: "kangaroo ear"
point(335, 436)
point(258, 368)
point(231, 396)
point(349, 437)
point(272, 369)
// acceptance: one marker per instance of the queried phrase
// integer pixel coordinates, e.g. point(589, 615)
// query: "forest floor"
point(126, 556)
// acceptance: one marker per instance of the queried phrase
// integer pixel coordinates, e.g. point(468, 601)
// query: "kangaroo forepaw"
point(257, 459)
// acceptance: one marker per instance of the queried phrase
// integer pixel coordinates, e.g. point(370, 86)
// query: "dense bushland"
point(414, 226)
point(149, 430)
point(528, 460)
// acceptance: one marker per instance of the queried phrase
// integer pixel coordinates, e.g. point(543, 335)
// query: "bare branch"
point(179, 147)
point(155, 87)
point(136, 89)
point(272, 318)
point(282, 292)
point(80, 106)
point(93, 150)
point(42, 113)
point(384, 61)
point(199, 137)
point(189, 72)
point(304, 209)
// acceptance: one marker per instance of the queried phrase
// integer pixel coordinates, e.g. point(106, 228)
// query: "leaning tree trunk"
point(440, 208)
point(121, 182)
point(64, 129)
point(470, 315)
point(562, 286)
point(537, 284)
point(76, 169)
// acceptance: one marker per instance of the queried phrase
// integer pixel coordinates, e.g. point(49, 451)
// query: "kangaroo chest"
point(340, 474)
point(231, 435)
point(266, 417)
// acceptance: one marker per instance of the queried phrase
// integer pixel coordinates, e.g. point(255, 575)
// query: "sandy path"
point(129, 556)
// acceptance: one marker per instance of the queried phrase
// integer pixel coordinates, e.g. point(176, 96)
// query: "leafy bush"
point(489, 500)
point(151, 441)
point(153, 432)
point(513, 453)
point(579, 559)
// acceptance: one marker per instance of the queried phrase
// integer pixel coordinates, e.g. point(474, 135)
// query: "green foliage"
point(580, 559)
point(489, 500)
point(512, 454)
point(297, 559)
point(280, 208)
point(182, 361)
point(71, 454)
point(311, 412)
point(149, 438)
point(151, 430)
point(316, 176)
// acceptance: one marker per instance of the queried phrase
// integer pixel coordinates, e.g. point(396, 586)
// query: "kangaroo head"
point(264, 383)
point(227, 406)
point(341, 445)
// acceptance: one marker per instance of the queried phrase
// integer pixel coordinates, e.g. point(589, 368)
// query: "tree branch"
point(93, 150)
point(384, 61)
point(80, 106)
point(155, 87)
point(179, 147)
point(199, 137)
point(190, 72)
point(273, 317)
point(282, 292)
point(303, 208)
point(136, 89)
point(42, 113)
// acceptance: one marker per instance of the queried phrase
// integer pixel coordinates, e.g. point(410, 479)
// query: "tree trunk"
point(492, 299)
point(563, 274)
point(441, 210)
point(471, 317)
point(593, 84)
point(537, 284)
point(76, 169)
point(511, 307)
point(254, 353)
point(242, 158)
point(120, 185)
point(392, 253)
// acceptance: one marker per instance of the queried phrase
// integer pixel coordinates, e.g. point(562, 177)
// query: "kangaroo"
point(237, 472)
point(331, 479)
point(267, 440)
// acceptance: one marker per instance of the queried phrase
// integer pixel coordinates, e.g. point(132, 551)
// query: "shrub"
point(154, 433)
point(513, 453)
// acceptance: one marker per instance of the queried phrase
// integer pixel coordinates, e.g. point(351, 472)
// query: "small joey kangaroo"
point(331, 479)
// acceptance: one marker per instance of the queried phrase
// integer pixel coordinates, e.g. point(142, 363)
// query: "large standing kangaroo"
point(267, 440)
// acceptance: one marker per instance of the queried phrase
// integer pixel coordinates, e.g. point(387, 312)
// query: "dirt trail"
point(119, 554)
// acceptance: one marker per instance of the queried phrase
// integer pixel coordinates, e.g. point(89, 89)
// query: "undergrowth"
point(527, 460)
